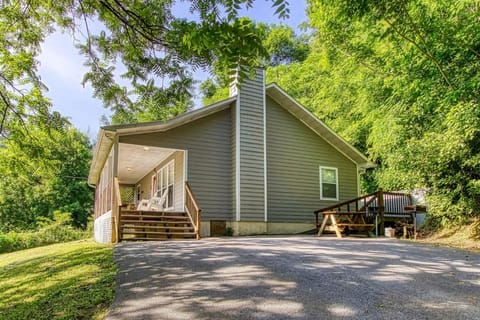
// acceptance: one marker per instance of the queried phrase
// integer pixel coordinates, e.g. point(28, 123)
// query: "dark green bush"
point(51, 231)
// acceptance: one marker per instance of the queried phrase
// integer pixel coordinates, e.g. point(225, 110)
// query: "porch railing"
point(380, 203)
point(193, 209)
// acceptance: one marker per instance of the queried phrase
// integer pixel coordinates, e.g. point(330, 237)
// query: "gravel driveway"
point(295, 278)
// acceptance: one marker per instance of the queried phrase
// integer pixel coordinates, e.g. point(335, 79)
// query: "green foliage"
point(44, 170)
point(72, 280)
point(156, 49)
point(283, 47)
point(50, 231)
point(399, 79)
point(218, 95)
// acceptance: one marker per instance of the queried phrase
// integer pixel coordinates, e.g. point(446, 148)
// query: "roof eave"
point(159, 126)
point(106, 134)
point(104, 143)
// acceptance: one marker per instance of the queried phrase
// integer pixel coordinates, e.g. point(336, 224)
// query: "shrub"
point(229, 232)
point(51, 231)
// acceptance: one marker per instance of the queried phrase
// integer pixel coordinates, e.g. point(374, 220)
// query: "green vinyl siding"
point(207, 141)
point(294, 156)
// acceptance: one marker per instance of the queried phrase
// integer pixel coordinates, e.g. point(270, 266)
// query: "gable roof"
point(107, 134)
point(275, 92)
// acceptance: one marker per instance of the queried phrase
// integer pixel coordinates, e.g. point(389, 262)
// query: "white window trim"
point(153, 184)
point(173, 182)
point(336, 184)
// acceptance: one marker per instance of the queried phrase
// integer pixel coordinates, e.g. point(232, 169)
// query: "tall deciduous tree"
point(399, 79)
point(156, 48)
point(44, 173)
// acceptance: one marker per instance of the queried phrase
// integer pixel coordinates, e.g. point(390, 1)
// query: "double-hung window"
point(328, 183)
point(165, 183)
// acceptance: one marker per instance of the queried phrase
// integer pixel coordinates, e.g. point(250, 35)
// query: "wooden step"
point(151, 212)
point(150, 220)
point(160, 233)
point(134, 216)
point(158, 239)
point(157, 227)
point(164, 222)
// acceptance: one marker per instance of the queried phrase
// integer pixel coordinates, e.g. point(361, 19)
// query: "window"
point(165, 179)
point(328, 183)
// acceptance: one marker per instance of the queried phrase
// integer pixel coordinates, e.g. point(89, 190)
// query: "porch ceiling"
point(135, 161)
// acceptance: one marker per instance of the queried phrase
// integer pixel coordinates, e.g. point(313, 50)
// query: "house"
point(258, 163)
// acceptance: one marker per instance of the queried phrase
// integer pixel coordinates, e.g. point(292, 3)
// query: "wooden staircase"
point(155, 225)
point(140, 225)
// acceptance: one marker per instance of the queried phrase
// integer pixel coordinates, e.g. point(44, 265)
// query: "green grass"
point(73, 280)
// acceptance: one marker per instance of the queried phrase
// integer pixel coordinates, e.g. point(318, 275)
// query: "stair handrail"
point(193, 209)
point(345, 203)
point(379, 196)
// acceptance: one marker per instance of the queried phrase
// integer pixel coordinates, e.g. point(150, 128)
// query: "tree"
point(411, 91)
point(156, 48)
point(283, 47)
point(42, 174)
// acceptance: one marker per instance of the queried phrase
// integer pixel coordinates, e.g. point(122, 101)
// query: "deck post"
point(381, 211)
point(199, 226)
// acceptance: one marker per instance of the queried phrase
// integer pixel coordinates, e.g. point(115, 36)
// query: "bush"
point(229, 232)
point(51, 231)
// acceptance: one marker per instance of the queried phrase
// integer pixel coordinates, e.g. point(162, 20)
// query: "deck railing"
point(380, 203)
point(193, 209)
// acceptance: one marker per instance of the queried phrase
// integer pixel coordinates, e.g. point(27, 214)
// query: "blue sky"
point(61, 69)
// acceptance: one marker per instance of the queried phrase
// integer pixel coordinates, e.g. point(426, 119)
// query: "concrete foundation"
point(288, 227)
point(244, 228)
point(205, 229)
point(248, 228)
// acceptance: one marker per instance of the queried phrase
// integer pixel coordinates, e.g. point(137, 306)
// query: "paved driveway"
point(295, 278)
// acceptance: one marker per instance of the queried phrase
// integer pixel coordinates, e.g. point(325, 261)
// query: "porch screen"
point(165, 181)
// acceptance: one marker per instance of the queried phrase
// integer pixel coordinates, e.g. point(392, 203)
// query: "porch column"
point(114, 203)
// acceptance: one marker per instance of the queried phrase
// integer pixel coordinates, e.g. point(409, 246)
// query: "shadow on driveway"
point(295, 278)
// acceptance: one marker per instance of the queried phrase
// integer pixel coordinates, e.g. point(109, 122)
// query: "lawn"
point(73, 280)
